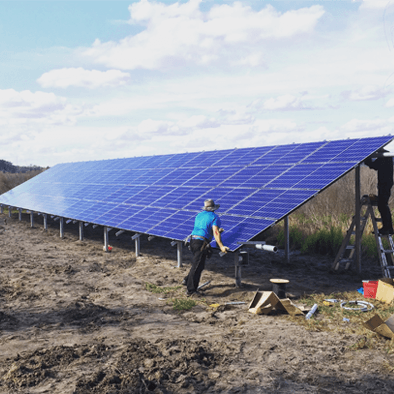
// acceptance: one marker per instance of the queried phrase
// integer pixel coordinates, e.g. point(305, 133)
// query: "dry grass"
point(8, 181)
point(320, 225)
point(333, 318)
point(335, 206)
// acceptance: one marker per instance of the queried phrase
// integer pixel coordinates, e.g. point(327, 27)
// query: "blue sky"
point(91, 80)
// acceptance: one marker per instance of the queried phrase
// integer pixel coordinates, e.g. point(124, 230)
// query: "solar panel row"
point(160, 195)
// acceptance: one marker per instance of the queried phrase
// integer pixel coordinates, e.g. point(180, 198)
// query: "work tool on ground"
point(203, 285)
point(360, 306)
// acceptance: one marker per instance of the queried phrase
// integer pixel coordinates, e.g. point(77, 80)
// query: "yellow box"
point(385, 291)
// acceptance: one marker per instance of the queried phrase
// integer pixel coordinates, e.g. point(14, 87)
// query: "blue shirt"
point(203, 224)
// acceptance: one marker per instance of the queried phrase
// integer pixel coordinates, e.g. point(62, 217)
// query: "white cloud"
point(390, 103)
point(66, 77)
point(363, 128)
point(372, 4)
point(26, 113)
point(182, 127)
point(235, 115)
point(26, 107)
point(180, 33)
point(366, 93)
point(283, 103)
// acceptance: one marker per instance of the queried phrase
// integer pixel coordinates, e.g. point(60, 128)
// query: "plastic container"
point(370, 288)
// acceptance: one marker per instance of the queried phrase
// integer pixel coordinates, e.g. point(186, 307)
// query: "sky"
point(93, 80)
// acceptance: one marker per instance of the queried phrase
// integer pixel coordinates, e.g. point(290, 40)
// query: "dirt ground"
point(74, 319)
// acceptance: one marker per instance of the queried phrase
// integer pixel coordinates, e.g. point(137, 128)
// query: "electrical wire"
point(365, 306)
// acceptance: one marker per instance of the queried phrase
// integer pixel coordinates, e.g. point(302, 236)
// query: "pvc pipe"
point(311, 312)
point(268, 248)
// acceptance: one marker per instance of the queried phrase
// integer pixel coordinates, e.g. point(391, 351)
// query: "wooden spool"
point(279, 287)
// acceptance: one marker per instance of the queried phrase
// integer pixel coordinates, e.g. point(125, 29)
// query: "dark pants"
point(383, 199)
point(198, 264)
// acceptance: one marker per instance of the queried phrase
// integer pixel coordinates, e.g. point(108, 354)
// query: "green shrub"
point(324, 241)
point(369, 247)
point(296, 238)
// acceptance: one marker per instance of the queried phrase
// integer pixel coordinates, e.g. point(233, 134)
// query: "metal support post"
point(61, 227)
point(179, 253)
point(287, 240)
point(238, 278)
point(20, 214)
point(1, 208)
point(106, 239)
point(137, 247)
point(136, 238)
point(45, 221)
point(80, 225)
point(31, 219)
point(9, 211)
point(357, 218)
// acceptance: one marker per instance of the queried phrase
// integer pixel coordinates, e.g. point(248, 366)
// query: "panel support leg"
point(45, 222)
point(1, 208)
point(179, 253)
point(9, 211)
point(31, 219)
point(61, 227)
point(80, 225)
point(136, 238)
point(358, 223)
point(238, 279)
point(287, 240)
point(106, 239)
point(20, 214)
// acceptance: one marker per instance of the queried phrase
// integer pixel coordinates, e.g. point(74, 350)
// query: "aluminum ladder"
point(345, 254)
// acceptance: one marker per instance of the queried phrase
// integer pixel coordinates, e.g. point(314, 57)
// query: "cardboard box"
point(385, 328)
point(385, 290)
point(265, 301)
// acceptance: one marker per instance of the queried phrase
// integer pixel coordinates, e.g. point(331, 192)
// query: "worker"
point(207, 225)
point(384, 167)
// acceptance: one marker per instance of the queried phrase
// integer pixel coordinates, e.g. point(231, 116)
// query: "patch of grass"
point(182, 304)
point(296, 238)
point(368, 244)
point(324, 241)
point(160, 290)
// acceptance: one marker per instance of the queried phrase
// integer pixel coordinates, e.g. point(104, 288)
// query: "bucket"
point(279, 287)
point(370, 288)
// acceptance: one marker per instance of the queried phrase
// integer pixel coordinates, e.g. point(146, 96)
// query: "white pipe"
point(384, 154)
point(311, 312)
point(268, 248)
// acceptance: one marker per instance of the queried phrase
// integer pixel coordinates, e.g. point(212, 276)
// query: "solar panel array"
point(161, 195)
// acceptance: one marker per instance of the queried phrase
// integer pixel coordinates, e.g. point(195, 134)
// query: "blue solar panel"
point(161, 195)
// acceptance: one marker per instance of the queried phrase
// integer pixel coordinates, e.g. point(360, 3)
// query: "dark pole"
point(357, 217)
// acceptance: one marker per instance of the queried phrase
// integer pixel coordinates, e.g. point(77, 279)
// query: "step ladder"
point(345, 256)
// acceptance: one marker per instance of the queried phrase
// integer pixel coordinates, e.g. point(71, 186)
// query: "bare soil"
point(74, 319)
